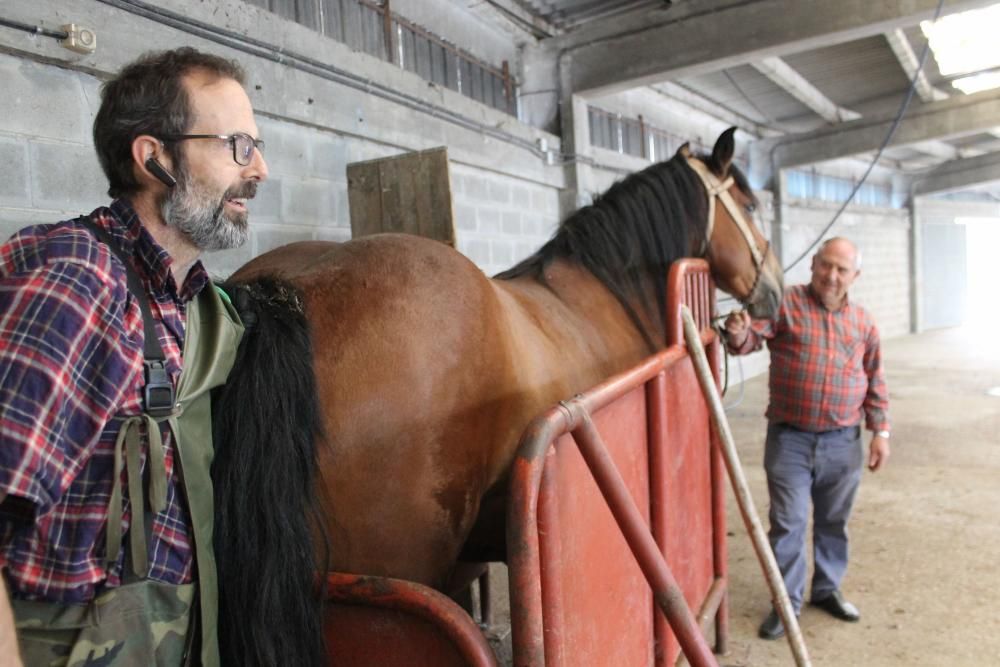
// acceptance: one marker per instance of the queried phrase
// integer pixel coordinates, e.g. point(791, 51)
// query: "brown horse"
point(427, 372)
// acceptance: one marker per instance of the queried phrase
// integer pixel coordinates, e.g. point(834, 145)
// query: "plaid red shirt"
point(826, 366)
point(70, 373)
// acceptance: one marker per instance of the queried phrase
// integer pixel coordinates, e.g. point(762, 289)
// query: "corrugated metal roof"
point(972, 140)
point(748, 92)
point(852, 72)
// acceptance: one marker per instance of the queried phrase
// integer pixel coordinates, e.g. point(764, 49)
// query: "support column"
point(575, 126)
point(778, 201)
point(916, 273)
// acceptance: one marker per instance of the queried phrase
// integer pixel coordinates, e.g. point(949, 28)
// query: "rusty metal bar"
point(742, 492)
point(508, 87)
point(523, 511)
point(656, 419)
point(387, 30)
point(709, 608)
point(720, 554)
point(526, 512)
point(524, 557)
point(551, 567)
point(687, 282)
point(416, 600)
point(642, 137)
point(666, 592)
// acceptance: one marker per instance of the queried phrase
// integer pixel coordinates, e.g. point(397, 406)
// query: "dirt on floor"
point(925, 532)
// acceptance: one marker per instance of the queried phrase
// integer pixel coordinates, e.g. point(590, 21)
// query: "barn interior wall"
point(698, 128)
point(506, 194)
point(882, 235)
point(506, 189)
point(943, 263)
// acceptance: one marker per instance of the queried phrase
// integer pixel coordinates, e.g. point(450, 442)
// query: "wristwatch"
point(882, 434)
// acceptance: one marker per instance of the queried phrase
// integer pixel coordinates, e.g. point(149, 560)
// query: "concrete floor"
point(925, 533)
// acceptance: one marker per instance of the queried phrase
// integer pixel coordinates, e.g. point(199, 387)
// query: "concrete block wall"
point(48, 169)
point(313, 127)
point(506, 194)
point(882, 235)
point(500, 220)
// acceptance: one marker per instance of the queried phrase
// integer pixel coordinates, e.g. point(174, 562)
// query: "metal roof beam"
point(941, 149)
point(701, 103)
point(957, 175)
point(701, 36)
point(938, 120)
point(796, 85)
point(908, 60)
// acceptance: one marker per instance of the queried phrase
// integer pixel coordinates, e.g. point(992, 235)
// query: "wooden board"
point(408, 193)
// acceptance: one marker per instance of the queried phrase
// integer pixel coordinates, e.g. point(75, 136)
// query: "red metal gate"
point(395, 623)
point(578, 594)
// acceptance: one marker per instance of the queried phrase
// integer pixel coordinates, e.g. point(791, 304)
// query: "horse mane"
point(631, 234)
point(269, 609)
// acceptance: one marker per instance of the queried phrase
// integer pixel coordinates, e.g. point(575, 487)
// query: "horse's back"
point(408, 361)
point(427, 373)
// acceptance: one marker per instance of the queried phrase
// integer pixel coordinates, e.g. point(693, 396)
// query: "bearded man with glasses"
point(111, 335)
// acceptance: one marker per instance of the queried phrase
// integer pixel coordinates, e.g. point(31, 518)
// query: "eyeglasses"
point(242, 143)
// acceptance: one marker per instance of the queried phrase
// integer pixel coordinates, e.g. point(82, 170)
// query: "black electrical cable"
point(33, 29)
point(881, 149)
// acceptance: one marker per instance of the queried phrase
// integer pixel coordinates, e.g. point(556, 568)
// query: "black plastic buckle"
point(159, 390)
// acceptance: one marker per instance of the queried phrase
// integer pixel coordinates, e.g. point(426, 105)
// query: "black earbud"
point(158, 170)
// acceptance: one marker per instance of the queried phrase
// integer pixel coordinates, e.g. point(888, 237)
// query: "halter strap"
point(720, 189)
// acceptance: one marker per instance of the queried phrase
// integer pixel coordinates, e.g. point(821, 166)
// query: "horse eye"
point(751, 208)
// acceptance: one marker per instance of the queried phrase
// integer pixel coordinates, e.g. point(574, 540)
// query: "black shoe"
point(772, 627)
point(835, 605)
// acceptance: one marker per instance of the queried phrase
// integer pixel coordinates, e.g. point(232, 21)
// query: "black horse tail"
point(266, 424)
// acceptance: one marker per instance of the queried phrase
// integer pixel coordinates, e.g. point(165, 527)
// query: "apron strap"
point(128, 435)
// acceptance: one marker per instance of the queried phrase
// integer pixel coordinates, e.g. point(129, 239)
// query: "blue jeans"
point(822, 467)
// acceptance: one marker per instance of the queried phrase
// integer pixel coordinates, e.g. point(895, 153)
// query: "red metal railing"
point(553, 523)
point(396, 623)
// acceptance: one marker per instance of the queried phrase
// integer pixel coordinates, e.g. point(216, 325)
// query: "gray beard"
point(202, 218)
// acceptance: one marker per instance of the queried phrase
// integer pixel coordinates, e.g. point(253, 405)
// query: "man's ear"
point(150, 162)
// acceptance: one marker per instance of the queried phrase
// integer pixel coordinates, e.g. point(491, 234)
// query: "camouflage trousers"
point(143, 623)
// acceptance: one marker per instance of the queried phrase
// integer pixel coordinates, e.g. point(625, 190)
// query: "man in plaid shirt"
point(176, 138)
point(826, 376)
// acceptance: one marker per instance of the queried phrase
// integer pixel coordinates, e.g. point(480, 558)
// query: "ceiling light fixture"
point(966, 43)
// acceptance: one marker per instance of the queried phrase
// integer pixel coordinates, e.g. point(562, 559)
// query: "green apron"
point(145, 622)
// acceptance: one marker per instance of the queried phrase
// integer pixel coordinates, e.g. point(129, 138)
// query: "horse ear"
point(722, 154)
point(685, 150)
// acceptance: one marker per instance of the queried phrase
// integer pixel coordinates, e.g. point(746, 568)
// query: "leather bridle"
point(717, 189)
